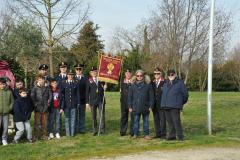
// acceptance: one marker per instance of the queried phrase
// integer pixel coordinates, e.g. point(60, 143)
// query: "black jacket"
point(124, 94)
point(174, 95)
point(22, 109)
point(60, 79)
point(141, 97)
point(70, 97)
point(82, 84)
point(41, 98)
point(94, 92)
point(157, 93)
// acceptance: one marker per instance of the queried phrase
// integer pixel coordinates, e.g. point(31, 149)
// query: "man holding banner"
point(96, 100)
point(109, 72)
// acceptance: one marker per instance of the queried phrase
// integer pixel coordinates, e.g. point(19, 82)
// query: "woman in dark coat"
point(174, 96)
point(140, 102)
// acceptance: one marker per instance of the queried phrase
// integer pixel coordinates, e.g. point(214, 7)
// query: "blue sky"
point(109, 14)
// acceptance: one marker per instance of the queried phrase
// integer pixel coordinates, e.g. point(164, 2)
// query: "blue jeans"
point(80, 118)
point(70, 120)
point(145, 124)
point(54, 121)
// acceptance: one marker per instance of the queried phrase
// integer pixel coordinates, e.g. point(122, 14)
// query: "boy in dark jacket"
point(22, 110)
point(42, 97)
point(6, 103)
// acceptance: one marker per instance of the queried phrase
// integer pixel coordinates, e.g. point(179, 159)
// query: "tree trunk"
point(50, 38)
point(25, 77)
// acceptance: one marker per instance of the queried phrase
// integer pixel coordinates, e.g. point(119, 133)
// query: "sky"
point(110, 14)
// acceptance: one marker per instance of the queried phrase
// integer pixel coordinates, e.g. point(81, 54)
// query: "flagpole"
point(210, 61)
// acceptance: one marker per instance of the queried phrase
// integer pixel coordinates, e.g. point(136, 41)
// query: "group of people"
point(70, 92)
point(164, 97)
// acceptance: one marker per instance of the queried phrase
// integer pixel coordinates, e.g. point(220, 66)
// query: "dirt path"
point(186, 154)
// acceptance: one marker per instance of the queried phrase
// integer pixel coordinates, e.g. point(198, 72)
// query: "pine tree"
point(88, 45)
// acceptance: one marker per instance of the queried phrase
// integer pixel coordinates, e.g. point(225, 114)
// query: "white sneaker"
point(51, 136)
point(57, 135)
point(4, 142)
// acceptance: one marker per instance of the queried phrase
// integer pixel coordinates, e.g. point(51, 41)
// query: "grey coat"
point(42, 98)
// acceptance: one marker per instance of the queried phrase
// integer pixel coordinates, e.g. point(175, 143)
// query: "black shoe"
point(95, 133)
point(155, 137)
point(171, 138)
point(122, 134)
point(181, 138)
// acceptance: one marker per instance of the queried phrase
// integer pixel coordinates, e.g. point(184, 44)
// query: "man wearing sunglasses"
point(158, 112)
point(81, 110)
point(174, 96)
point(140, 102)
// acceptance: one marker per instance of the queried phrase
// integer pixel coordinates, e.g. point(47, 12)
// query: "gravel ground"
point(185, 154)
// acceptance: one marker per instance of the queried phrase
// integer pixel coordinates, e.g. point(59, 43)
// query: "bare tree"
point(58, 19)
point(182, 32)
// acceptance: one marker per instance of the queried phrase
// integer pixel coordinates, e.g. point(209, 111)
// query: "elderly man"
point(174, 96)
point(140, 102)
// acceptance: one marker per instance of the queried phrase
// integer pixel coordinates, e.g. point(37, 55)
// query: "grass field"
point(226, 132)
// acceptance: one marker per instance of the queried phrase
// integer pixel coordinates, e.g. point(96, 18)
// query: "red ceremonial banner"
point(109, 69)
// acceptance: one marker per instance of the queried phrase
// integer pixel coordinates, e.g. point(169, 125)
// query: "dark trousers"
point(124, 121)
point(101, 109)
point(40, 125)
point(159, 122)
point(80, 118)
point(174, 123)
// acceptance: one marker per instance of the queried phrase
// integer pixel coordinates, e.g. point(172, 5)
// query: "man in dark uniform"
point(62, 76)
point(158, 112)
point(43, 71)
point(70, 100)
point(95, 99)
point(125, 84)
point(82, 82)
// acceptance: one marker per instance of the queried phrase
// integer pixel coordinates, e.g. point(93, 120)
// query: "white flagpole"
point(210, 61)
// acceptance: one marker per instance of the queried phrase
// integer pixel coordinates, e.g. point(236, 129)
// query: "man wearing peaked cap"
point(158, 112)
point(62, 76)
point(43, 70)
point(62, 65)
point(43, 67)
point(125, 85)
point(78, 66)
point(82, 82)
point(95, 99)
